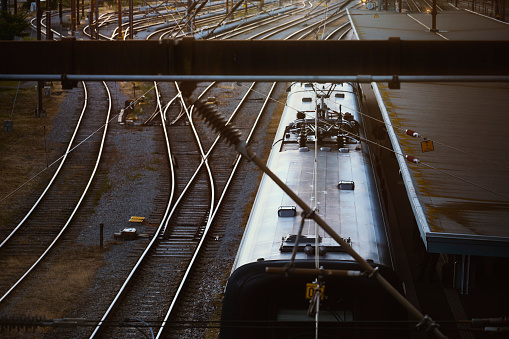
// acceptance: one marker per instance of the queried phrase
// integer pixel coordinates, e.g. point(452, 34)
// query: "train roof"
point(353, 212)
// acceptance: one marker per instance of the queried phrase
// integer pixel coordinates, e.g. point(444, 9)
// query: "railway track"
point(179, 233)
point(167, 259)
point(189, 239)
point(189, 306)
point(43, 225)
point(194, 312)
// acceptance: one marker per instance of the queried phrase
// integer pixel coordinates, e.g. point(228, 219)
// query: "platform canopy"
point(459, 191)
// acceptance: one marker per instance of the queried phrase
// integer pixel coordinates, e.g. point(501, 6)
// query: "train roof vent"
point(307, 242)
point(287, 211)
point(308, 85)
point(346, 185)
point(307, 99)
point(288, 242)
point(340, 95)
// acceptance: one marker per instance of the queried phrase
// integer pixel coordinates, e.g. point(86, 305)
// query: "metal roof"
point(460, 191)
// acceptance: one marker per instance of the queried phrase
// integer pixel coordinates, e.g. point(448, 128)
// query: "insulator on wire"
point(412, 133)
point(218, 122)
point(211, 116)
point(411, 158)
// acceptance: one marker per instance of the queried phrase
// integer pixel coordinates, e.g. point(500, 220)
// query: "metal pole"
point(96, 20)
point(131, 19)
point(434, 17)
point(73, 17)
point(462, 274)
point(468, 274)
point(38, 16)
point(101, 238)
point(188, 15)
point(91, 19)
point(40, 84)
point(48, 20)
point(45, 147)
point(120, 19)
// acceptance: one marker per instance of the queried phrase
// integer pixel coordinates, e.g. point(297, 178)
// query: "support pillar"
point(120, 35)
point(40, 84)
point(131, 19)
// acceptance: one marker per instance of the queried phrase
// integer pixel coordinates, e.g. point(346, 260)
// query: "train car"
point(320, 153)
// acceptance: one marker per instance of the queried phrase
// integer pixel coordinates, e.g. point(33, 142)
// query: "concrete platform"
point(460, 191)
point(451, 25)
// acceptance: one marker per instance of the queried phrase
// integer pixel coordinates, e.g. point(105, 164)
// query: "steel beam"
point(189, 57)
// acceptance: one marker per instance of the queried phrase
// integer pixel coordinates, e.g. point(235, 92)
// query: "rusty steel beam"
point(393, 57)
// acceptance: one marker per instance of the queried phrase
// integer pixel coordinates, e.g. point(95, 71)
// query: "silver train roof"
point(354, 214)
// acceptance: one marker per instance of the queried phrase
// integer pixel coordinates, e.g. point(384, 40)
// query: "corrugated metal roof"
point(459, 191)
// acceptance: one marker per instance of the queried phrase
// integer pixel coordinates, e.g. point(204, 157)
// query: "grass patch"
point(61, 286)
point(24, 151)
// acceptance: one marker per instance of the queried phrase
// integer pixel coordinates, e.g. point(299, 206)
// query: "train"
point(320, 152)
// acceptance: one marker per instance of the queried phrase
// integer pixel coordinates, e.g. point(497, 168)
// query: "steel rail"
point(329, 36)
point(156, 233)
point(216, 210)
point(199, 247)
point(284, 26)
point(69, 219)
point(204, 156)
point(260, 22)
point(340, 13)
point(198, 169)
point(169, 30)
point(55, 175)
point(162, 226)
point(43, 25)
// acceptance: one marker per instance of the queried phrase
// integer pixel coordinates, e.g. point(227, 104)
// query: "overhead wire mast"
point(233, 137)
